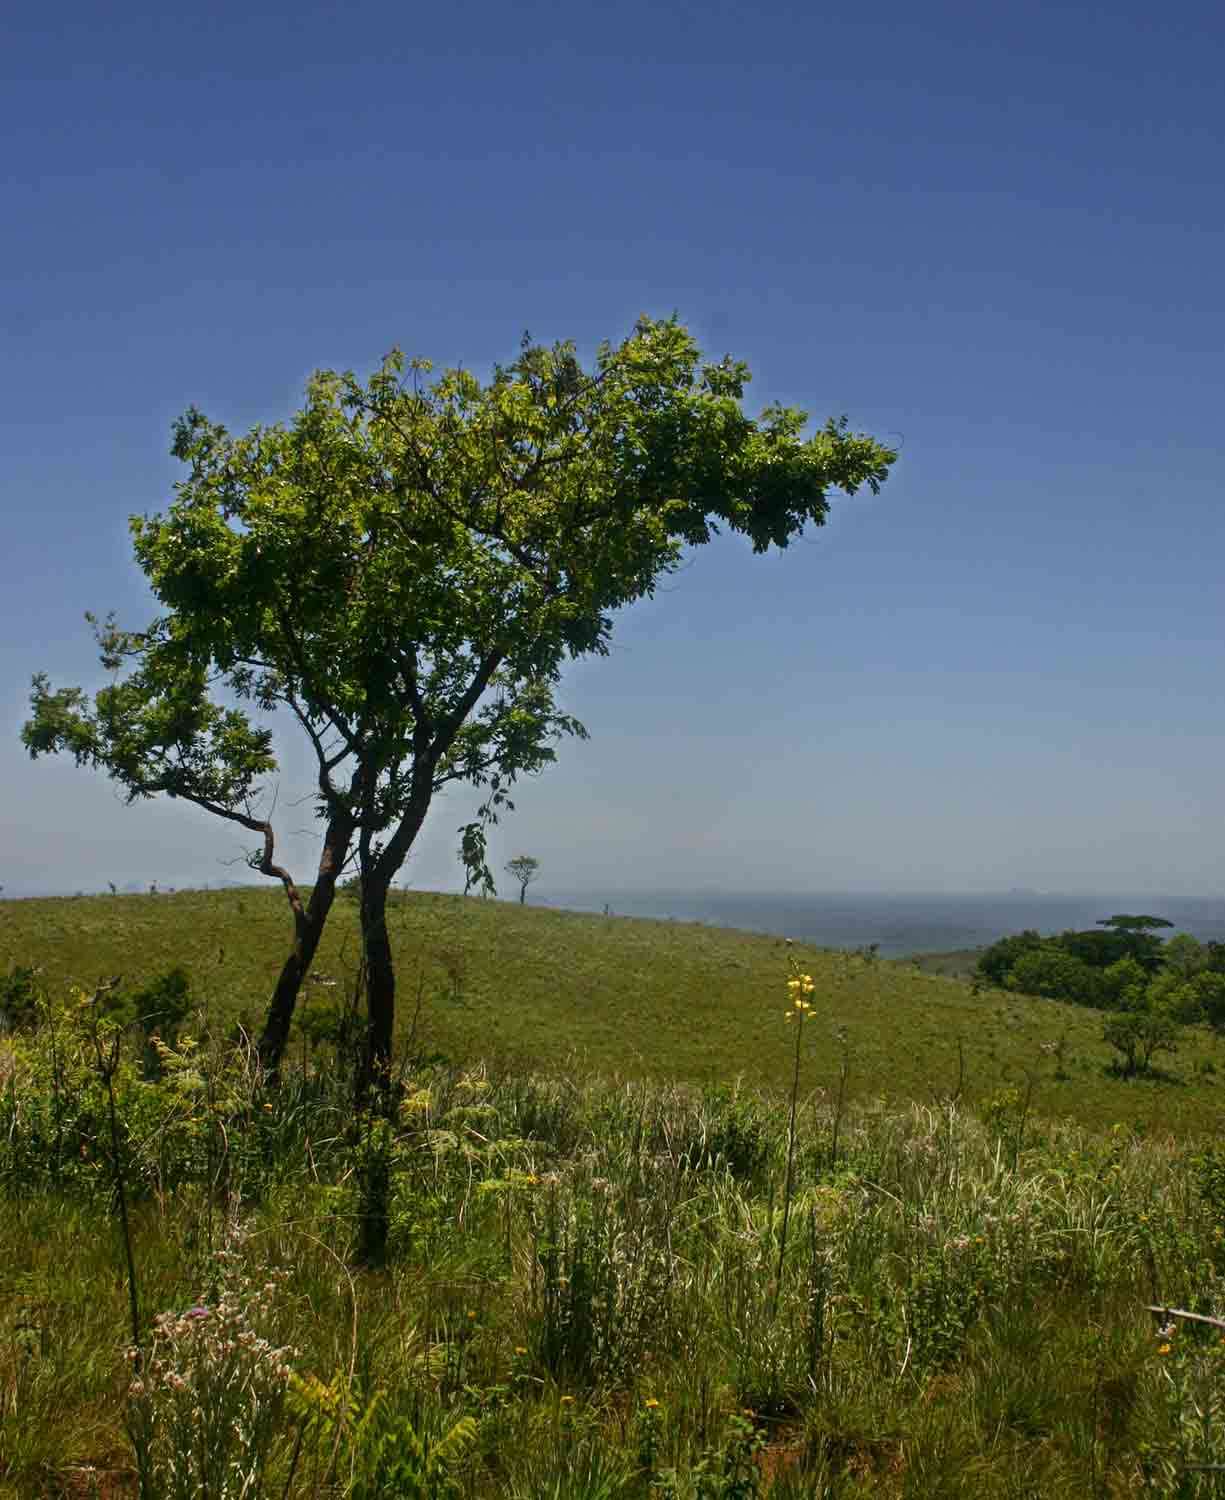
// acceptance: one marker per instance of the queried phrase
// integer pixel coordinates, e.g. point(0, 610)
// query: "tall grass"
point(585, 1287)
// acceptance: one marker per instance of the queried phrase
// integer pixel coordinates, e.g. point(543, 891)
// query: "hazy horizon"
point(546, 892)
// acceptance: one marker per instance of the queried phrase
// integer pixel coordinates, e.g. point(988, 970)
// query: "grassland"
point(591, 1254)
point(628, 998)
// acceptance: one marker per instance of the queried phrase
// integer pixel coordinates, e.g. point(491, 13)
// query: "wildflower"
point(650, 1403)
point(471, 1314)
point(567, 1400)
point(1165, 1349)
point(196, 1312)
point(519, 1349)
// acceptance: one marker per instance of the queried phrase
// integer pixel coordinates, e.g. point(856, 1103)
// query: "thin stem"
point(106, 1066)
point(795, 1090)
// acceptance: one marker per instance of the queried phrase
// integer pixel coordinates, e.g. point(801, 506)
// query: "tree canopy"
point(404, 569)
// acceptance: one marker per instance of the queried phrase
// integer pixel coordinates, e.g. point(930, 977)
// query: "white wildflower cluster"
point(205, 1404)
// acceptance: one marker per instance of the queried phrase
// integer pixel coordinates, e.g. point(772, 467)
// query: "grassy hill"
point(572, 1278)
point(630, 997)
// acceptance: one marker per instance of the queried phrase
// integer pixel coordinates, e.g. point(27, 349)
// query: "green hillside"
point(629, 997)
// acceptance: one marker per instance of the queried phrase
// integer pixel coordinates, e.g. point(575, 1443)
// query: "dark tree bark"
point(309, 922)
point(378, 870)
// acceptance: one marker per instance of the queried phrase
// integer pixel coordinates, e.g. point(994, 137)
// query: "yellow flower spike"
point(650, 1403)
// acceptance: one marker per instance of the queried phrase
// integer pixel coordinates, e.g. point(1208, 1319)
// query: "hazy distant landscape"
point(900, 924)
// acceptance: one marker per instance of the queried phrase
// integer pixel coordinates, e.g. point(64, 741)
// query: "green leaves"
point(156, 731)
point(406, 565)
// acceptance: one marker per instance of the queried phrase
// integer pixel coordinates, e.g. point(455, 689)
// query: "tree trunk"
point(308, 930)
point(522, 894)
point(380, 986)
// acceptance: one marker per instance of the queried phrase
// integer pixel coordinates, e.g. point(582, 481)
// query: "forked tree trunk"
point(308, 929)
point(377, 874)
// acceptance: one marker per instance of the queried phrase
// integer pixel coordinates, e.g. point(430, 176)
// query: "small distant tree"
point(1141, 936)
point(1122, 922)
point(524, 868)
point(1138, 1035)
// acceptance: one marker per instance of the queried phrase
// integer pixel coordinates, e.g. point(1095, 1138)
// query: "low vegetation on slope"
point(632, 998)
point(529, 1286)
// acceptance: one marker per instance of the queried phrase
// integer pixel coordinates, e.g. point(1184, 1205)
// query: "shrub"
point(1049, 971)
point(19, 996)
point(1099, 949)
point(159, 1009)
point(1138, 1035)
point(1125, 985)
point(997, 960)
point(1176, 996)
point(1209, 987)
point(734, 1131)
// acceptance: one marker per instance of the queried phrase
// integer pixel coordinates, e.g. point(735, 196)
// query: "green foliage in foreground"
point(584, 1291)
point(550, 990)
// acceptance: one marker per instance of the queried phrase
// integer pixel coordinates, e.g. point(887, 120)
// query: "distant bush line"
point(1153, 988)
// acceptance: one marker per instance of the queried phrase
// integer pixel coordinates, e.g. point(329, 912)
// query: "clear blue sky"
point(994, 235)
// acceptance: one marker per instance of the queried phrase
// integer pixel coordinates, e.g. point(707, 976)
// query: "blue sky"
point(991, 235)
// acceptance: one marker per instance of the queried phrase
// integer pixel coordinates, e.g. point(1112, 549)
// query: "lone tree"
point(403, 570)
point(1124, 922)
point(524, 868)
point(1138, 936)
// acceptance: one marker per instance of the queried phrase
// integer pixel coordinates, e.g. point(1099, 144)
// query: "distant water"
point(905, 925)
